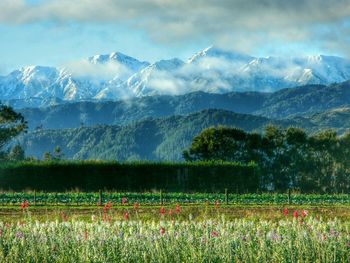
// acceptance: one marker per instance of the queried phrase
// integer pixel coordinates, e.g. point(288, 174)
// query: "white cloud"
point(104, 71)
point(243, 24)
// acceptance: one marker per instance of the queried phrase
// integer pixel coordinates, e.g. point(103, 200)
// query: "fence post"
point(34, 197)
point(226, 196)
point(289, 197)
point(161, 197)
point(100, 197)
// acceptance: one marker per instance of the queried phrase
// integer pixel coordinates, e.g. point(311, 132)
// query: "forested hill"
point(302, 101)
point(151, 139)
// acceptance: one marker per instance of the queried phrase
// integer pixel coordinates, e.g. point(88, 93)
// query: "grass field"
point(208, 231)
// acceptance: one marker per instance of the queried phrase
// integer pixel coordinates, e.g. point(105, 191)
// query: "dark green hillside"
point(75, 115)
point(151, 139)
point(306, 100)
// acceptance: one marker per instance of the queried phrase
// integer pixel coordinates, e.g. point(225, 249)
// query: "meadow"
point(132, 227)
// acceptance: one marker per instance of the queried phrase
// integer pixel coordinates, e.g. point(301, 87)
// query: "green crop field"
point(154, 198)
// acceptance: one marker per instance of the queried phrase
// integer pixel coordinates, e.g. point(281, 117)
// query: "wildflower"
point(295, 214)
point(162, 211)
point(303, 213)
point(26, 204)
point(214, 234)
point(216, 204)
point(22, 205)
point(123, 200)
point(105, 209)
point(162, 230)
point(285, 211)
point(177, 209)
point(126, 216)
point(109, 205)
point(19, 235)
point(170, 212)
point(136, 205)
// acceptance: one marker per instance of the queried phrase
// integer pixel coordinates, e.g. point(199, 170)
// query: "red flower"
point(285, 211)
point(105, 209)
point(123, 200)
point(177, 209)
point(295, 214)
point(214, 234)
point(26, 204)
point(109, 205)
point(162, 211)
point(162, 231)
point(22, 205)
point(303, 213)
point(216, 204)
point(126, 216)
point(136, 205)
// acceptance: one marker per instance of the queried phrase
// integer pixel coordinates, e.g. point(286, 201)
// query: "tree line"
point(287, 158)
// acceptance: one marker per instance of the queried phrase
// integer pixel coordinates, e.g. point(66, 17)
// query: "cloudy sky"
point(54, 32)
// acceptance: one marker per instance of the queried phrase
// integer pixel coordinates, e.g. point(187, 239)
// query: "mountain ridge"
point(210, 70)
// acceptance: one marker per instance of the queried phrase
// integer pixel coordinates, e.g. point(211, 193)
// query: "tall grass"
point(241, 240)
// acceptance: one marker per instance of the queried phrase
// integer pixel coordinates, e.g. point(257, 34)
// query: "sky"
point(55, 32)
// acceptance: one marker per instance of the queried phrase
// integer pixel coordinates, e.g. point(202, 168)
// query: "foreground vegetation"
point(241, 240)
point(131, 227)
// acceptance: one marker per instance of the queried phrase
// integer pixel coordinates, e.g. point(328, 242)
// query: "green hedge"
point(140, 176)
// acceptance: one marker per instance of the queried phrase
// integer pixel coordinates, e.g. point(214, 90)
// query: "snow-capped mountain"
point(82, 81)
point(117, 57)
point(117, 76)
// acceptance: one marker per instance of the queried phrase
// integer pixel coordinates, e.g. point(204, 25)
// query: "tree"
point(287, 158)
point(11, 125)
point(57, 154)
point(47, 156)
point(16, 153)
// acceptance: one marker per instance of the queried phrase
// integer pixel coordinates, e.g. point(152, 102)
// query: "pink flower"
point(214, 234)
point(295, 214)
point(177, 209)
point(126, 216)
point(162, 231)
point(303, 213)
point(285, 211)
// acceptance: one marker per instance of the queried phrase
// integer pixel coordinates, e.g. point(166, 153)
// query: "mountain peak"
point(216, 52)
point(115, 57)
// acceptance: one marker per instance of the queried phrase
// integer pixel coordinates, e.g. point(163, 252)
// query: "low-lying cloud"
point(101, 71)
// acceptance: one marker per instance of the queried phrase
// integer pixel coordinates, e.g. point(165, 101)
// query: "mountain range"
point(301, 101)
point(117, 107)
point(117, 76)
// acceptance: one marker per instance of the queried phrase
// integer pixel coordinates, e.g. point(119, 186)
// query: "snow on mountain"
point(213, 52)
point(117, 76)
point(117, 57)
point(80, 81)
